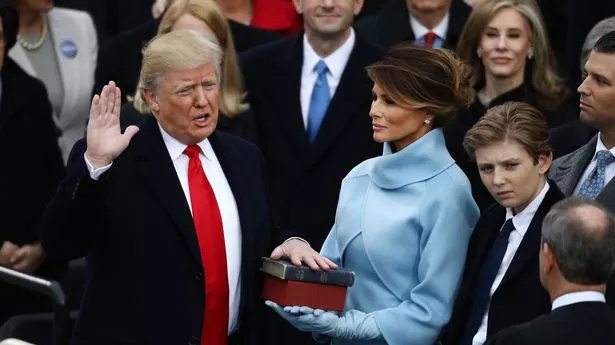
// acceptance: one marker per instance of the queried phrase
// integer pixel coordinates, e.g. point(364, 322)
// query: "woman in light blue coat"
point(404, 219)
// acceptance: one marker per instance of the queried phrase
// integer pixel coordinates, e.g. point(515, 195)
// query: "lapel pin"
point(69, 48)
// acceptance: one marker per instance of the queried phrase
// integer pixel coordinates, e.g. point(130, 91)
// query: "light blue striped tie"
point(319, 101)
point(595, 181)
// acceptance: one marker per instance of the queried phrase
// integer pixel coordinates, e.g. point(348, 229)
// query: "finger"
point(331, 264)
point(321, 262)
point(130, 132)
point(311, 263)
point(19, 255)
point(102, 104)
point(95, 107)
point(275, 307)
point(277, 253)
point(23, 265)
point(118, 101)
point(111, 97)
point(306, 310)
point(318, 312)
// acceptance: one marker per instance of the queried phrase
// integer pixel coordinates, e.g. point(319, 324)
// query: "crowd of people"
point(456, 155)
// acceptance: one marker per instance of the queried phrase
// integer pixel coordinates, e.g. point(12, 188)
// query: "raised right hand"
point(104, 137)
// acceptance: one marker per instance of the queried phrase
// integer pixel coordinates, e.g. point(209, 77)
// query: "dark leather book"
point(285, 270)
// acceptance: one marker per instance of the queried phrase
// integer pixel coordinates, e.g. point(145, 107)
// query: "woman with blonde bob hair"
point(205, 15)
point(506, 43)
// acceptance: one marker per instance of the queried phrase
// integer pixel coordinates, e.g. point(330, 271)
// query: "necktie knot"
point(430, 38)
point(321, 68)
point(192, 151)
point(604, 157)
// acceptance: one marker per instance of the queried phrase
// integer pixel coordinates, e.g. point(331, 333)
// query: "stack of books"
point(290, 285)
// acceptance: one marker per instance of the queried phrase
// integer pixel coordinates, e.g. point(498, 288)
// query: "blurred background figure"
point(501, 286)
point(506, 44)
point(204, 15)
point(577, 255)
point(120, 58)
point(433, 23)
point(273, 15)
point(28, 180)
point(59, 47)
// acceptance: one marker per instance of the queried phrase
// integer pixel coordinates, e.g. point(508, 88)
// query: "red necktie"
point(430, 38)
point(208, 224)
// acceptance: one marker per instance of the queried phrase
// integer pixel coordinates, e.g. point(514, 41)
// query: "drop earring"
point(479, 53)
point(530, 55)
point(427, 121)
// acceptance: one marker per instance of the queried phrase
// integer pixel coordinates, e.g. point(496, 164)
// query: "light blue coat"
point(403, 224)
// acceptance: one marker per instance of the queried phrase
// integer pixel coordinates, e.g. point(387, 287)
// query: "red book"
point(297, 293)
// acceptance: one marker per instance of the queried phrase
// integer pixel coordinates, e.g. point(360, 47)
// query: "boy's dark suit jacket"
point(145, 276)
point(580, 323)
point(520, 297)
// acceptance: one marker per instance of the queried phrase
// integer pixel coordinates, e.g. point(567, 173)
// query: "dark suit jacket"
point(306, 177)
point(33, 165)
point(569, 137)
point(566, 171)
point(145, 276)
point(520, 297)
point(31, 172)
point(392, 24)
point(120, 58)
point(580, 323)
point(465, 119)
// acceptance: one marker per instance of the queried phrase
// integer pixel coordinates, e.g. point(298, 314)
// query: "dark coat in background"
point(392, 24)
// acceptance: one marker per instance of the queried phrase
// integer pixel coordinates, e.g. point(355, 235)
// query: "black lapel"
point(393, 24)
point(157, 169)
point(530, 245)
point(570, 171)
point(287, 91)
point(344, 105)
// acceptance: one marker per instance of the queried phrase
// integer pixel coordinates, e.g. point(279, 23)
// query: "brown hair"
point(516, 121)
point(546, 87)
point(424, 78)
point(232, 92)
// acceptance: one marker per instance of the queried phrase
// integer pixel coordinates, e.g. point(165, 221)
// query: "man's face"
point(597, 101)
point(327, 18)
point(186, 104)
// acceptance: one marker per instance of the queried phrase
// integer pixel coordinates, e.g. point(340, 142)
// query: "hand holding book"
point(352, 325)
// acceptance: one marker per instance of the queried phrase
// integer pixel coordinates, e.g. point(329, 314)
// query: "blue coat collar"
point(419, 161)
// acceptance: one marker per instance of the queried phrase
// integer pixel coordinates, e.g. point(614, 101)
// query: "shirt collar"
point(421, 30)
point(600, 146)
point(336, 62)
point(522, 220)
point(577, 297)
point(176, 148)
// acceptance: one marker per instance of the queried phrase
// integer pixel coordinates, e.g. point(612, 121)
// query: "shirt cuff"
point(298, 238)
point(95, 172)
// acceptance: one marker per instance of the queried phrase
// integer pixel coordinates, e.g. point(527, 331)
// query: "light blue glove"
point(353, 325)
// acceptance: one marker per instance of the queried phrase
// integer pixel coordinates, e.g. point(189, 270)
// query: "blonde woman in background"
point(205, 15)
point(59, 47)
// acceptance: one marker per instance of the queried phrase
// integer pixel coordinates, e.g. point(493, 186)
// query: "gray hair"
point(602, 28)
point(176, 50)
point(584, 247)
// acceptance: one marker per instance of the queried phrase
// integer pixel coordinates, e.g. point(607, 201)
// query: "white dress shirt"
point(609, 172)
point(577, 297)
point(336, 62)
point(421, 30)
point(521, 221)
point(226, 204)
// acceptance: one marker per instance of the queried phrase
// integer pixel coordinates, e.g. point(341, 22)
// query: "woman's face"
point(394, 124)
point(511, 174)
point(36, 5)
point(505, 45)
point(189, 22)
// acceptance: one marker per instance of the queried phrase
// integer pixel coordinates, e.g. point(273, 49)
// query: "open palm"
point(105, 139)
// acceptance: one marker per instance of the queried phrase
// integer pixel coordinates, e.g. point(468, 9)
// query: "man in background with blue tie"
point(430, 23)
point(311, 98)
point(589, 171)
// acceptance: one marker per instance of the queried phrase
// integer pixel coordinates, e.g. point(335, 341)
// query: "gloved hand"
point(352, 325)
